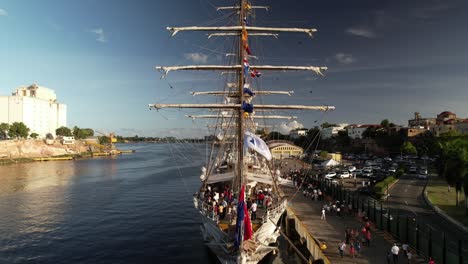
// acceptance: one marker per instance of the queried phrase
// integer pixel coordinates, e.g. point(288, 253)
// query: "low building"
point(284, 149)
point(444, 122)
point(419, 121)
point(294, 134)
point(330, 132)
point(335, 156)
point(416, 132)
point(357, 131)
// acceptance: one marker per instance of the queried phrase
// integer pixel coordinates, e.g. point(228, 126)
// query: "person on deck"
point(253, 209)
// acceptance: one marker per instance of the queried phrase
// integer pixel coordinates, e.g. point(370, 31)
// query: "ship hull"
point(220, 244)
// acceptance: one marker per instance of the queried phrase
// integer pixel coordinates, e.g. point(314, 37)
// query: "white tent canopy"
point(330, 163)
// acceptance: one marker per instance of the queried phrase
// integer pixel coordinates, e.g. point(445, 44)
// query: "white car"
point(351, 168)
point(388, 159)
point(330, 175)
point(344, 174)
point(422, 176)
point(392, 169)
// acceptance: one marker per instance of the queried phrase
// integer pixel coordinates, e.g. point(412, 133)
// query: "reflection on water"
point(132, 209)
point(30, 176)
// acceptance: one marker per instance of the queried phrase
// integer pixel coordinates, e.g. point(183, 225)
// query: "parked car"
point(344, 174)
point(392, 169)
point(423, 171)
point(422, 176)
point(388, 159)
point(358, 172)
point(330, 175)
point(351, 168)
point(413, 170)
point(367, 173)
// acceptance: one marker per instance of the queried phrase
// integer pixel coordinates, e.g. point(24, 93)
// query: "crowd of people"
point(220, 198)
point(222, 201)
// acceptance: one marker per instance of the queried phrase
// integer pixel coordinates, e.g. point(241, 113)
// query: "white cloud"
point(343, 58)
point(361, 32)
point(285, 128)
point(3, 12)
point(196, 57)
point(100, 35)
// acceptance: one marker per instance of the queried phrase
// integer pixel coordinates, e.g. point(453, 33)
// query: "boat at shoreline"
point(240, 201)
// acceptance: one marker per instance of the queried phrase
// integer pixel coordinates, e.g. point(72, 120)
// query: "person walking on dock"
point(368, 237)
point(323, 214)
point(352, 250)
point(341, 248)
point(357, 246)
point(409, 256)
point(395, 250)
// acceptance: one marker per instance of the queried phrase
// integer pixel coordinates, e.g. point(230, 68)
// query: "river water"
point(133, 208)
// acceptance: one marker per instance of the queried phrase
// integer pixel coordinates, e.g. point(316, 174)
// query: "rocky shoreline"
point(15, 151)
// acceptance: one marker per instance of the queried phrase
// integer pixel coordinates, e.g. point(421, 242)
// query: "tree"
point(34, 135)
point(456, 170)
point(326, 125)
point(465, 190)
point(49, 136)
point(323, 154)
point(18, 130)
point(4, 127)
point(385, 123)
point(452, 163)
point(408, 148)
point(81, 133)
point(63, 131)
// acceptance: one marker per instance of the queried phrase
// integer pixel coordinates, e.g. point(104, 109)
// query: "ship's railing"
point(274, 210)
point(206, 209)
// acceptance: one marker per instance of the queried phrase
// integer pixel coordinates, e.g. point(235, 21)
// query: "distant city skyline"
point(386, 59)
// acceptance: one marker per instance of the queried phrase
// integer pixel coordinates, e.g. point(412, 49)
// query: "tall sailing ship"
point(240, 170)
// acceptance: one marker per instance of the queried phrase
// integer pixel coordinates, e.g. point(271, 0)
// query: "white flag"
point(256, 143)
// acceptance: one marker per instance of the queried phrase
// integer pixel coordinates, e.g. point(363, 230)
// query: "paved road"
point(407, 197)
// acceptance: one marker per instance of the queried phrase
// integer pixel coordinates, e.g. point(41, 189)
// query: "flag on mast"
point(243, 224)
point(256, 143)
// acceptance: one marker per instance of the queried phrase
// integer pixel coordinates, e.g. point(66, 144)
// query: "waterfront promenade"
point(332, 230)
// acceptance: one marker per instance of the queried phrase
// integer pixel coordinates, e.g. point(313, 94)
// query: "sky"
point(386, 59)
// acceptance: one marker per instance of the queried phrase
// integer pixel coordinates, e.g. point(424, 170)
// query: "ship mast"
point(241, 69)
point(241, 129)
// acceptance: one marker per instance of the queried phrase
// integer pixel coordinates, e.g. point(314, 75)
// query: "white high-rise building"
point(36, 107)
